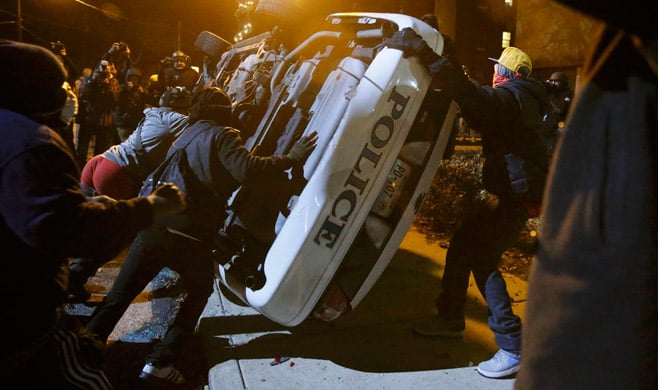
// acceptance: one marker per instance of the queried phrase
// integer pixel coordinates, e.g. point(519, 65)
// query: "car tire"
point(211, 44)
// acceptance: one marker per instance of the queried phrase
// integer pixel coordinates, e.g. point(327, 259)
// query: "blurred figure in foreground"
point(45, 218)
point(591, 321)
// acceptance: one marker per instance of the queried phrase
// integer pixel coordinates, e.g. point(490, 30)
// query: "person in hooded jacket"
point(118, 172)
point(220, 162)
point(508, 114)
point(45, 218)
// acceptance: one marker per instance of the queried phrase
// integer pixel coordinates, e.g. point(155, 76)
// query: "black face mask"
point(52, 120)
point(220, 114)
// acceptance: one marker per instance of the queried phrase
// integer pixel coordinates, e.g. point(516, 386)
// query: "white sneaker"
point(502, 364)
point(161, 375)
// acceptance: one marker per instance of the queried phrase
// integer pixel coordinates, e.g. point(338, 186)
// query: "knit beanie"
point(31, 79)
point(211, 104)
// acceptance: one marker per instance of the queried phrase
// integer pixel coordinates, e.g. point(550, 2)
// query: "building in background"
point(555, 37)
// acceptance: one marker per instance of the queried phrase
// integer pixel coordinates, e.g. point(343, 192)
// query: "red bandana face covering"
point(498, 80)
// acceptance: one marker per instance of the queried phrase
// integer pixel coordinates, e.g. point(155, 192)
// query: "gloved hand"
point(412, 44)
point(167, 200)
point(303, 148)
point(101, 199)
point(406, 40)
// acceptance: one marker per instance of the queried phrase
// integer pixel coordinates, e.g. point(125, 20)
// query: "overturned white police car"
point(314, 242)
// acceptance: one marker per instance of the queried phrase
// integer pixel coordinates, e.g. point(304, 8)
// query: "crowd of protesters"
point(109, 98)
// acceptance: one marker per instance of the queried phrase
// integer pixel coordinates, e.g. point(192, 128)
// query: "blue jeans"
point(152, 250)
point(477, 247)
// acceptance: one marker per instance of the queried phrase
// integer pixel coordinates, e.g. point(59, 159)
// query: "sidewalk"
point(372, 347)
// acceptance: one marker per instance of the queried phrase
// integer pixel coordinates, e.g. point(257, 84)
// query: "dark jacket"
point(45, 218)
point(170, 77)
point(221, 163)
point(509, 118)
point(591, 321)
point(98, 97)
point(560, 100)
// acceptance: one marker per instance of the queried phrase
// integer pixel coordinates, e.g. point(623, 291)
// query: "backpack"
point(175, 168)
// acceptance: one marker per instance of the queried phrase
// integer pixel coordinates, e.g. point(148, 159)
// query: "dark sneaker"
point(441, 327)
point(502, 364)
point(162, 375)
point(78, 275)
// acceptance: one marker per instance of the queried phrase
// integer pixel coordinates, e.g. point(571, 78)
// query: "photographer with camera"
point(176, 71)
point(119, 55)
point(98, 97)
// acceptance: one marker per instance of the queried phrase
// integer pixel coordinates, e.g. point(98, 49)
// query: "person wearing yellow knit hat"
point(509, 115)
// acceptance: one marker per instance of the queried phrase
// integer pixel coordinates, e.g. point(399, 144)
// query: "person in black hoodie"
point(45, 218)
point(509, 117)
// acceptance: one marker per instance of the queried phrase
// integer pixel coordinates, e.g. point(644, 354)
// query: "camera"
point(102, 71)
point(103, 66)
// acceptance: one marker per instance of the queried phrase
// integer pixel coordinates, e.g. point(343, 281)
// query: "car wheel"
point(211, 44)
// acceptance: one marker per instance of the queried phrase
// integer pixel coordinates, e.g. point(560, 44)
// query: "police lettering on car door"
point(363, 170)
